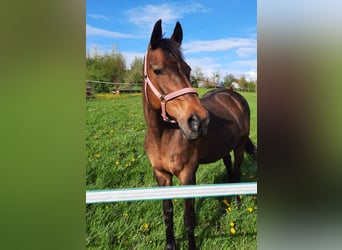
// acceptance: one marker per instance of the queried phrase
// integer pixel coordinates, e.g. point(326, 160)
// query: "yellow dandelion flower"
point(133, 160)
point(97, 155)
point(125, 215)
point(226, 202)
point(111, 131)
point(229, 209)
point(117, 163)
point(250, 209)
point(231, 224)
point(107, 206)
point(146, 226)
point(232, 230)
point(127, 165)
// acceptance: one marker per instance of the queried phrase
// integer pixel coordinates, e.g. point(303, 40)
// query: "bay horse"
point(183, 130)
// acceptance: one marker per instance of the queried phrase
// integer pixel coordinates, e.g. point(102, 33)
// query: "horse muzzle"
point(195, 127)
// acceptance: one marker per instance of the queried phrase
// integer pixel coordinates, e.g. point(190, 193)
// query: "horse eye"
point(158, 72)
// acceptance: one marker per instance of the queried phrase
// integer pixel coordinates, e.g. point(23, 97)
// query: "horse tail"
point(251, 150)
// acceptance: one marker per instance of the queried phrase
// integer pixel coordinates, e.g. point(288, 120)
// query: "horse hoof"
point(170, 246)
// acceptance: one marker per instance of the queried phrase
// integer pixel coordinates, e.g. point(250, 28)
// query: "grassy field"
point(115, 132)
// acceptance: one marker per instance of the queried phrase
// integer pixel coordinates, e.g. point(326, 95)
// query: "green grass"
point(115, 132)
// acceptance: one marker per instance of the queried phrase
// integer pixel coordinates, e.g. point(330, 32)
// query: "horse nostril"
point(194, 123)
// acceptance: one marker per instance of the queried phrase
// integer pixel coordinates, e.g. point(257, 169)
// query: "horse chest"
point(174, 156)
point(171, 154)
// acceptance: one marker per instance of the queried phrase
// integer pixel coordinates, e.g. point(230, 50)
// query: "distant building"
point(202, 84)
point(235, 85)
point(207, 84)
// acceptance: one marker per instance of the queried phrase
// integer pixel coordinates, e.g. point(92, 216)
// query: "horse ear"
point(177, 34)
point(156, 34)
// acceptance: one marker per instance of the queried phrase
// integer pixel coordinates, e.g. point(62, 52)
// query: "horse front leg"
point(165, 179)
point(189, 213)
point(168, 218)
point(189, 221)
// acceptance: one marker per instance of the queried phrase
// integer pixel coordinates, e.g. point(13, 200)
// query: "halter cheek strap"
point(164, 98)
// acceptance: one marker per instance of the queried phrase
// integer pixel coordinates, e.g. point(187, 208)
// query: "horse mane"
point(172, 49)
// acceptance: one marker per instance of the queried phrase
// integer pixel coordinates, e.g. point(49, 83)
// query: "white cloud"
point(248, 63)
point(95, 16)
point(251, 75)
point(148, 15)
point(145, 16)
point(194, 62)
point(244, 52)
point(93, 31)
point(217, 45)
point(96, 49)
point(209, 65)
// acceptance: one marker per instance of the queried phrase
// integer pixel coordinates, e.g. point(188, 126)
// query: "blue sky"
point(218, 35)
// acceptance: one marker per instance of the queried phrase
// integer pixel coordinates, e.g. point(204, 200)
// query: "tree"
point(135, 74)
point(196, 76)
point(228, 79)
point(243, 82)
point(114, 66)
point(106, 68)
point(215, 76)
point(251, 86)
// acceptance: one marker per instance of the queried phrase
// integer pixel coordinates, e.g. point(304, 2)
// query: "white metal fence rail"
point(173, 192)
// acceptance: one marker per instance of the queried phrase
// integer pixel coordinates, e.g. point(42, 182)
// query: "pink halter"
point(164, 98)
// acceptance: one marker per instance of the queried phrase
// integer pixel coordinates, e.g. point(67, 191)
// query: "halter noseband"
point(164, 98)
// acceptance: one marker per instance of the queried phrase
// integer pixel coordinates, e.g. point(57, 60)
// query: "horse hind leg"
point(229, 168)
point(234, 171)
point(238, 159)
point(230, 175)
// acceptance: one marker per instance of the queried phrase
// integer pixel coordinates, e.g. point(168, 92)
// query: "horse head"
point(167, 84)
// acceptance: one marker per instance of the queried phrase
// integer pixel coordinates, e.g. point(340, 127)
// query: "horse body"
point(168, 150)
point(229, 124)
point(184, 131)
